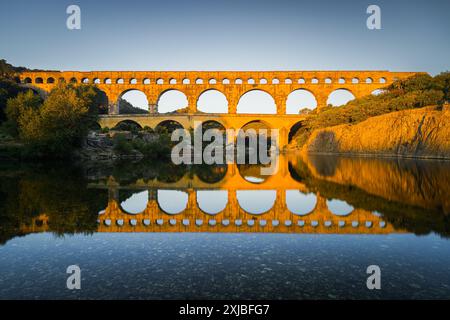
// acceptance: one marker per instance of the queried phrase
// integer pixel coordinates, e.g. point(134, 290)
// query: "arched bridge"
point(233, 85)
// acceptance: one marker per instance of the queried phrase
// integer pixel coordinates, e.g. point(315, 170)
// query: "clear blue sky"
point(227, 35)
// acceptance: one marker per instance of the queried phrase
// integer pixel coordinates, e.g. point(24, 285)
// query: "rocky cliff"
point(423, 133)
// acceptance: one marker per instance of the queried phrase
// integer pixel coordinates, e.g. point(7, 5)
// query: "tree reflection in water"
point(410, 195)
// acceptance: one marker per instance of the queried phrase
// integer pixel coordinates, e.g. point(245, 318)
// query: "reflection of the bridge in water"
point(285, 206)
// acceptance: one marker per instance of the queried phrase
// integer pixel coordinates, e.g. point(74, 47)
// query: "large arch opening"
point(256, 201)
point(133, 102)
point(256, 101)
point(101, 101)
point(172, 201)
point(168, 126)
point(127, 125)
point(300, 101)
point(171, 101)
point(340, 97)
point(212, 101)
point(250, 136)
point(212, 201)
point(135, 204)
point(294, 130)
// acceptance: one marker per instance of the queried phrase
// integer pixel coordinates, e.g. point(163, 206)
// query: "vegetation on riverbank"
point(415, 92)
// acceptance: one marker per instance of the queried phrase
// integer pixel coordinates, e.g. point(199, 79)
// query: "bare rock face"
point(421, 132)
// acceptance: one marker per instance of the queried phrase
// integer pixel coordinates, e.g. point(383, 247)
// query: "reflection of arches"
point(212, 101)
point(300, 99)
point(339, 207)
point(256, 101)
point(256, 201)
point(135, 204)
point(300, 203)
point(133, 102)
point(252, 173)
point(127, 125)
point(211, 173)
point(340, 97)
point(168, 126)
point(172, 201)
point(212, 201)
point(172, 100)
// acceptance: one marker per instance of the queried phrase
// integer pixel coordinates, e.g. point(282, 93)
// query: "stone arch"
point(212, 98)
point(340, 97)
point(199, 81)
point(315, 80)
point(299, 100)
point(301, 81)
point(172, 201)
point(39, 80)
point(275, 81)
point(172, 100)
point(263, 81)
point(355, 80)
point(226, 81)
point(27, 80)
point(61, 80)
point(294, 129)
point(186, 81)
point(288, 81)
point(212, 81)
point(160, 81)
point(127, 125)
point(96, 81)
point(238, 81)
point(256, 201)
point(257, 100)
point(369, 80)
point(168, 126)
point(51, 80)
point(73, 80)
point(382, 80)
point(173, 81)
point(251, 81)
point(85, 80)
point(120, 81)
point(328, 80)
point(132, 101)
point(107, 81)
point(146, 81)
point(133, 81)
point(212, 201)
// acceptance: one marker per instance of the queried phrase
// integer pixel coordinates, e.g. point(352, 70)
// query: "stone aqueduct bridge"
point(233, 85)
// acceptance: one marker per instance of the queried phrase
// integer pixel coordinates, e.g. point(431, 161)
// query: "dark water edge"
point(411, 196)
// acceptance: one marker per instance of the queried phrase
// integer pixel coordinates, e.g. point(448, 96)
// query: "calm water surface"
point(152, 230)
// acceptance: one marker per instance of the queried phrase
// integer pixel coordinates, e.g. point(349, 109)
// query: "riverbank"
point(414, 133)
